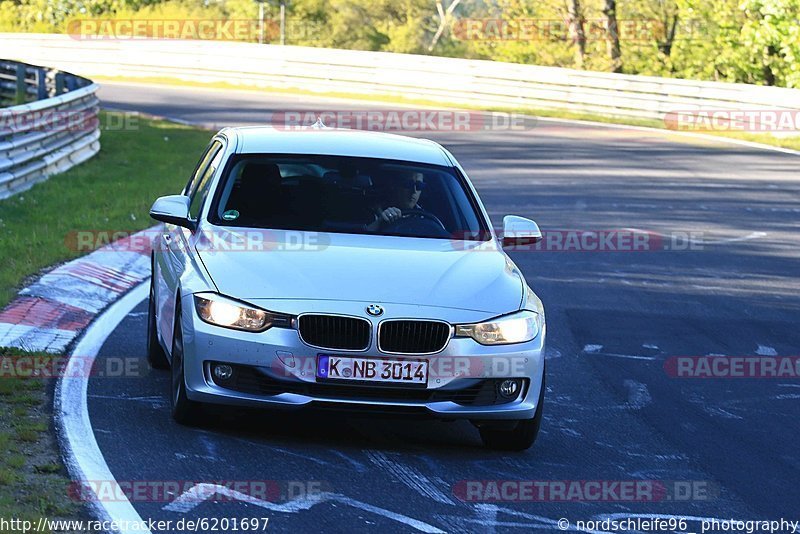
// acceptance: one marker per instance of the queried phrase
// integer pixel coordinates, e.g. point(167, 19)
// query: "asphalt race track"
point(612, 412)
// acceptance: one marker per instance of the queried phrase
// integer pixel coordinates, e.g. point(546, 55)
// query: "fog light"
point(510, 388)
point(223, 372)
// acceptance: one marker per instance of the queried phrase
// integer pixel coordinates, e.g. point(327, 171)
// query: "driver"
point(402, 194)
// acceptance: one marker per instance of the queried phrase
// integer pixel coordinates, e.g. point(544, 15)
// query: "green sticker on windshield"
point(230, 215)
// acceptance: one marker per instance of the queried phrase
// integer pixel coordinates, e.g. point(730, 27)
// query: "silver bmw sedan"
point(345, 269)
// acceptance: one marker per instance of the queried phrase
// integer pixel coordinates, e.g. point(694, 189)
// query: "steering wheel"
point(421, 214)
point(418, 221)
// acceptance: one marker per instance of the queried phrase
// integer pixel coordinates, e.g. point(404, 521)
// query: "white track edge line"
point(81, 453)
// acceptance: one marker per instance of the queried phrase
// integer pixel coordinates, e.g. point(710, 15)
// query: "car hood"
point(374, 269)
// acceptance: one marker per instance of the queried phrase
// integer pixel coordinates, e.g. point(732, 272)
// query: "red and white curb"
point(50, 313)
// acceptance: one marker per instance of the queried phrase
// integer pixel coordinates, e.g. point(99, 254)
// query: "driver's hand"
point(391, 214)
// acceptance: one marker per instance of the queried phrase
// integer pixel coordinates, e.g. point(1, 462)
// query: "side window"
point(200, 192)
point(208, 155)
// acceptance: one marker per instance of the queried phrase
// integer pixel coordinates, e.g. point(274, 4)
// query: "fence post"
point(59, 83)
point(21, 96)
point(41, 79)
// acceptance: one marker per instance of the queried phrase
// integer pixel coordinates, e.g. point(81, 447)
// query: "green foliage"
point(752, 41)
point(772, 35)
point(709, 45)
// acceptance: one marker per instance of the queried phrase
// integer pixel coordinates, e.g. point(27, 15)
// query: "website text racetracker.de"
point(404, 120)
point(265, 240)
point(611, 240)
point(585, 490)
point(203, 524)
point(195, 491)
point(206, 29)
point(52, 366)
point(720, 366)
point(55, 121)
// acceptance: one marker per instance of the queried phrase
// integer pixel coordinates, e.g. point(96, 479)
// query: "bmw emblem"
point(375, 310)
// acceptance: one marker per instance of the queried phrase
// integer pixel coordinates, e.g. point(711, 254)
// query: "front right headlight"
point(518, 327)
point(222, 311)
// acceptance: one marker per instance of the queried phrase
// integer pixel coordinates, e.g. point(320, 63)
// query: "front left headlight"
point(228, 313)
point(518, 327)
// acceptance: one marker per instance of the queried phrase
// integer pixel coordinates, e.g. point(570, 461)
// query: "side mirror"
point(519, 231)
point(173, 209)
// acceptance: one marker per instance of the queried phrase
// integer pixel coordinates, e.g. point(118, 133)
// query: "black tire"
point(519, 438)
point(156, 356)
point(184, 411)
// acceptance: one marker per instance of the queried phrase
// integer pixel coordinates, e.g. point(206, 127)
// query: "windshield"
point(346, 195)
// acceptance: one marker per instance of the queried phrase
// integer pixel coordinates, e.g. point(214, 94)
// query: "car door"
point(171, 261)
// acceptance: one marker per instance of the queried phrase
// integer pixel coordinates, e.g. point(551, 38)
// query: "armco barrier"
point(447, 80)
point(50, 126)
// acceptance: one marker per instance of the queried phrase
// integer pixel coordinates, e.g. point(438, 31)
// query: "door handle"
point(167, 238)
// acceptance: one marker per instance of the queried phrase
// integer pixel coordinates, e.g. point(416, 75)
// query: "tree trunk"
point(576, 29)
point(670, 27)
point(444, 17)
point(614, 53)
point(769, 74)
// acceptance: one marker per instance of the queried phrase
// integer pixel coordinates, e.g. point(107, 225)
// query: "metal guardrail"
point(51, 124)
point(446, 80)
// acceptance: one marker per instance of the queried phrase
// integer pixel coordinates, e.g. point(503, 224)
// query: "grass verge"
point(112, 191)
point(33, 483)
point(791, 142)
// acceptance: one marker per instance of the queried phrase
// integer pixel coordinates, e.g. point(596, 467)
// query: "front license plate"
point(357, 369)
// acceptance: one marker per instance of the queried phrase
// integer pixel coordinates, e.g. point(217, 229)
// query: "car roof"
point(336, 142)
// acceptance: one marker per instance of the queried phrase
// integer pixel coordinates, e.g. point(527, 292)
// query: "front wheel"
point(520, 436)
point(184, 410)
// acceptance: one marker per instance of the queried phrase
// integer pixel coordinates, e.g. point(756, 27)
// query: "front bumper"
point(282, 359)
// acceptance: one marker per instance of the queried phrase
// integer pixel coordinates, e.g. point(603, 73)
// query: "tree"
point(612, 26)
point(576, 22)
